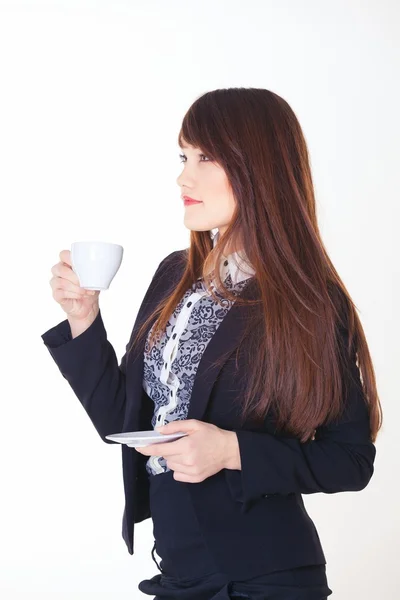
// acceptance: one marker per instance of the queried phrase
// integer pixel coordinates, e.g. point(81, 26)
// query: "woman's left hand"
point(203, 452)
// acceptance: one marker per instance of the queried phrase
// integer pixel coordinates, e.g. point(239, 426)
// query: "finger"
point(184, 425)
point(157, 450)
point(63, 270)
point(179, 476)
point(62, 294)
point(167, 448)
point(177, 466)
point(60, 283)
point(149, 450)
point(65, 256)
point(142, 450)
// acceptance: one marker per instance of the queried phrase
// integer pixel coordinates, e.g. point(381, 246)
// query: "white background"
point(92, 95)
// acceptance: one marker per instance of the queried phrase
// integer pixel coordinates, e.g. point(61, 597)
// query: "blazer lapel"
point(224, 341)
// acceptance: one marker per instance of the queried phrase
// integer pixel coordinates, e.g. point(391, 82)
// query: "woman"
point(249, 343)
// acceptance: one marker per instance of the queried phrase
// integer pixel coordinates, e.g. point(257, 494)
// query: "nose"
point(185, 181)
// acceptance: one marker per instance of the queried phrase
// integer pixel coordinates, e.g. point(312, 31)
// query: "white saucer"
point(139, 439)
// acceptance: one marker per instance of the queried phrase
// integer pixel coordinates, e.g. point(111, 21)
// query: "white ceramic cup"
point(96, 263)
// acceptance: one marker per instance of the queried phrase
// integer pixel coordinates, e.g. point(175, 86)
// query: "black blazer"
point(254, 520)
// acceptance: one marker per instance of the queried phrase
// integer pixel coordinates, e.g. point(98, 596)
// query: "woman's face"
point(206, 181)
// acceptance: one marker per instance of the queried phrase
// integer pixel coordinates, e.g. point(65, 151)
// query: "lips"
point(188, 200)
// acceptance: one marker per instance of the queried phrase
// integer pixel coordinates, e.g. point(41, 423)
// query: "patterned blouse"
point(170, 368)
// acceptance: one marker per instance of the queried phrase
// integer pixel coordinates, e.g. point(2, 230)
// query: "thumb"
point(176, 426)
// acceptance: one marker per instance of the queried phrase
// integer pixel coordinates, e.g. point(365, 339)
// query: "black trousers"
point(301, 583)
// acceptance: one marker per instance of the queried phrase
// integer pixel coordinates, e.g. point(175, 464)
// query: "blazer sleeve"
point(340, 457)
point(89, 363)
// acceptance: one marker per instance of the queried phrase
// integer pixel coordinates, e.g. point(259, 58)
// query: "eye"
point(183, 156)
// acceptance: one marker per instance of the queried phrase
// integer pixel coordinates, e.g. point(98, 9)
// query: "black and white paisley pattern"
point(169, 373)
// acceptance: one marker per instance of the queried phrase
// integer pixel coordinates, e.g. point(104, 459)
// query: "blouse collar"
point(238, 265)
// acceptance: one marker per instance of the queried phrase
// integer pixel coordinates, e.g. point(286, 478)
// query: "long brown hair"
point(304, 334)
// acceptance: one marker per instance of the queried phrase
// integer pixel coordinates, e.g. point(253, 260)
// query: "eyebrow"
point(188, 147)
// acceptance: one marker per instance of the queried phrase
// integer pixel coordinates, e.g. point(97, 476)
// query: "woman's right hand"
point(79, 304)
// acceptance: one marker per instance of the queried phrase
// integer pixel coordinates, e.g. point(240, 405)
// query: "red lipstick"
point(188, 201)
